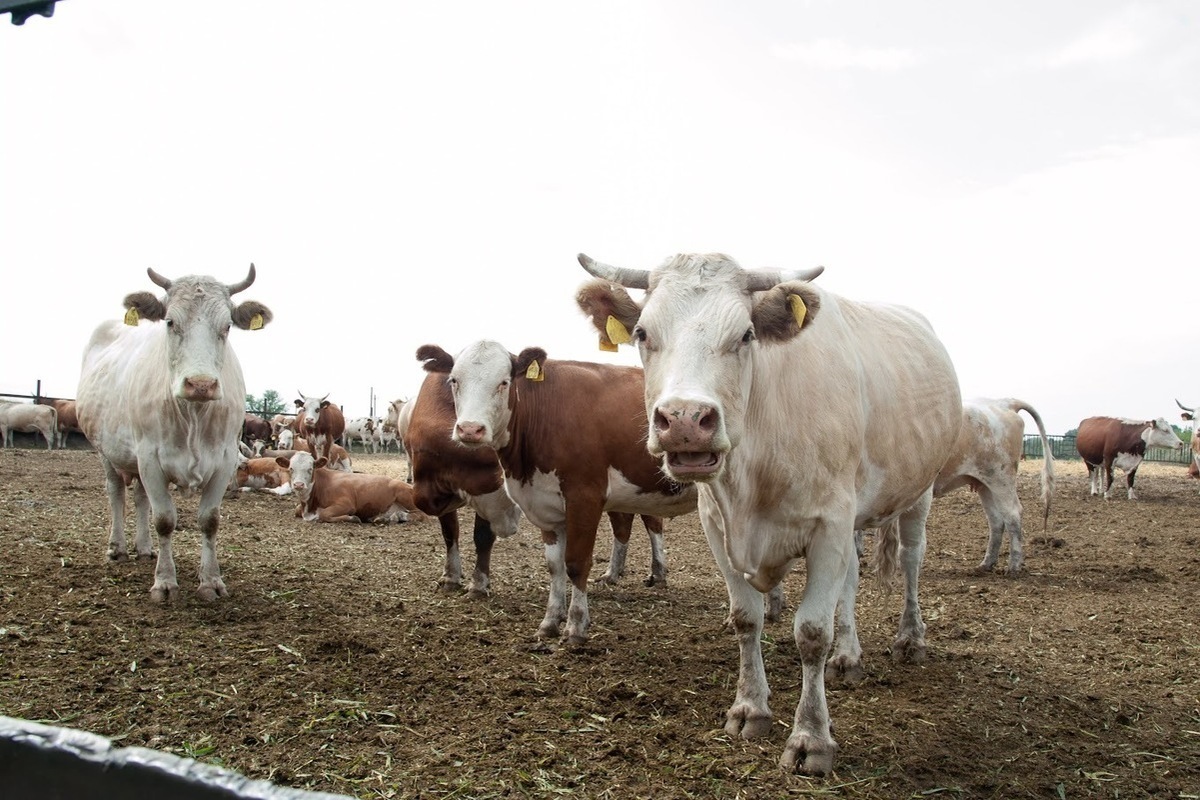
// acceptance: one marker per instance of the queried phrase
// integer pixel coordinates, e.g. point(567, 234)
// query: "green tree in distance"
point(268, 406)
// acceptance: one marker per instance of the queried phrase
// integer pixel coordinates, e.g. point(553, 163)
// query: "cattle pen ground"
point(335, 664)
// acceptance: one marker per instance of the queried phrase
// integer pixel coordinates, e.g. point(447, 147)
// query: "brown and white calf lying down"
point(328, 495)
point(264, 474)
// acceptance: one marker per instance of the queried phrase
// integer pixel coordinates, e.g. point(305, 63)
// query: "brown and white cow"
point(802, 416)
point(319, 422)
point(162, 404)
point(360, 429)
point(1108, 443)
point(985, 458)
point(28, 418)
point(1189, 415)
point(264, 474)
point(569, 435)
point(446, 476)
point(330, 495)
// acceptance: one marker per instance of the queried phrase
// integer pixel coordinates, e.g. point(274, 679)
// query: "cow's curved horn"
point(762, 280)
point(1185, 408)
point(158, 279)
point(302, 394)
point(244, 283)
point(326, 397)
point(629, 278)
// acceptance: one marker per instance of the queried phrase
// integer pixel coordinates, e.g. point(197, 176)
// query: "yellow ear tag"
point(131, 317)
point(256, 322)
point(607, 346)
point(799, 310)
point(534, 373)
point(616, 330)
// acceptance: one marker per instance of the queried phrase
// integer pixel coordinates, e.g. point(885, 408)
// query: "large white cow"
point(28, 418)
point(163, 404)
point(802, 416)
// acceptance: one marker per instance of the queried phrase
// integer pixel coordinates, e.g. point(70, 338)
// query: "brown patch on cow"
point(148, 306)
point(435, 359)
point(598, 300)
point(773, 317)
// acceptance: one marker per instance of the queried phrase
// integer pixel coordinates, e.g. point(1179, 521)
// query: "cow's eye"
point(504, 384)
point(639, 335)
point(748, 336)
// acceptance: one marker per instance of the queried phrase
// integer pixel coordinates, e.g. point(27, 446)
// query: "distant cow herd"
point(791, 419)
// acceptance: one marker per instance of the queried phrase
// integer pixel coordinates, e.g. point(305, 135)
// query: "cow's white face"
point(302, 467)
point(309, 408)
point(480, 382)
point(198, 320)
point(1161, 434)
point(285, 439)
point(697, 334)
point(695, 339)
point(197, 313)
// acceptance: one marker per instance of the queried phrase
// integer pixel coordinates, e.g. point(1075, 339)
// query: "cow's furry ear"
point(148, 306)
point(783, 311)
point(600, 299)
point(435, 359)
point(251, 315)
point(529, 355)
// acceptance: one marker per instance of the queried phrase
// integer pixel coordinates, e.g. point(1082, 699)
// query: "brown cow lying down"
point(264, 474)
point(329, 495)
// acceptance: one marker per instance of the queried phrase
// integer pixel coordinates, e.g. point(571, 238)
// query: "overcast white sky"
point(1024, 173)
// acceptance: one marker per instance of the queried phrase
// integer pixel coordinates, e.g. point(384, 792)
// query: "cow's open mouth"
point(684, 465)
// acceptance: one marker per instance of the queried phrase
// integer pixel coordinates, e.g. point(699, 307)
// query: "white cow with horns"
point(163, 404)
point(802, 416)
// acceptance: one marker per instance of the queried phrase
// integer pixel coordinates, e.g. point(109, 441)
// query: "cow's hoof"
point(747, 724)
point(449, 587)
point(162, 593)
point(844, 671)
point(210, 592)
point(118, 555)
point(909, 651)
point(807, 754)
point(548, 630)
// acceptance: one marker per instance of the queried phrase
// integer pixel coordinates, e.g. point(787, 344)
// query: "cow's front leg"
point(750, 715)
point(583, 520)
point(209, 517)
point(555, 545)
point(810, 748)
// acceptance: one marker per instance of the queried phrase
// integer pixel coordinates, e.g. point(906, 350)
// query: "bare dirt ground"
point(335, 664)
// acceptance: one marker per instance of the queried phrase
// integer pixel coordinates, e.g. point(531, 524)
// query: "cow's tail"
point(886, 558)
point(1047, 458)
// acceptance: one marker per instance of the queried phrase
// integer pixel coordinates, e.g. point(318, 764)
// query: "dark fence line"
point(1064, 447)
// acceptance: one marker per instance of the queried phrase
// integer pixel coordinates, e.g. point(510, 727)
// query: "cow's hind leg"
point(141, 505)
point(484, 538)
point(555, 546)
point(658, 551)
point(910, 638)
point(1003, 509)
point(622, 528)
point(114, 485)
point(845, 664)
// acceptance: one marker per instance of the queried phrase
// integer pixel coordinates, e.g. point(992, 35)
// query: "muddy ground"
point(335, 663)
